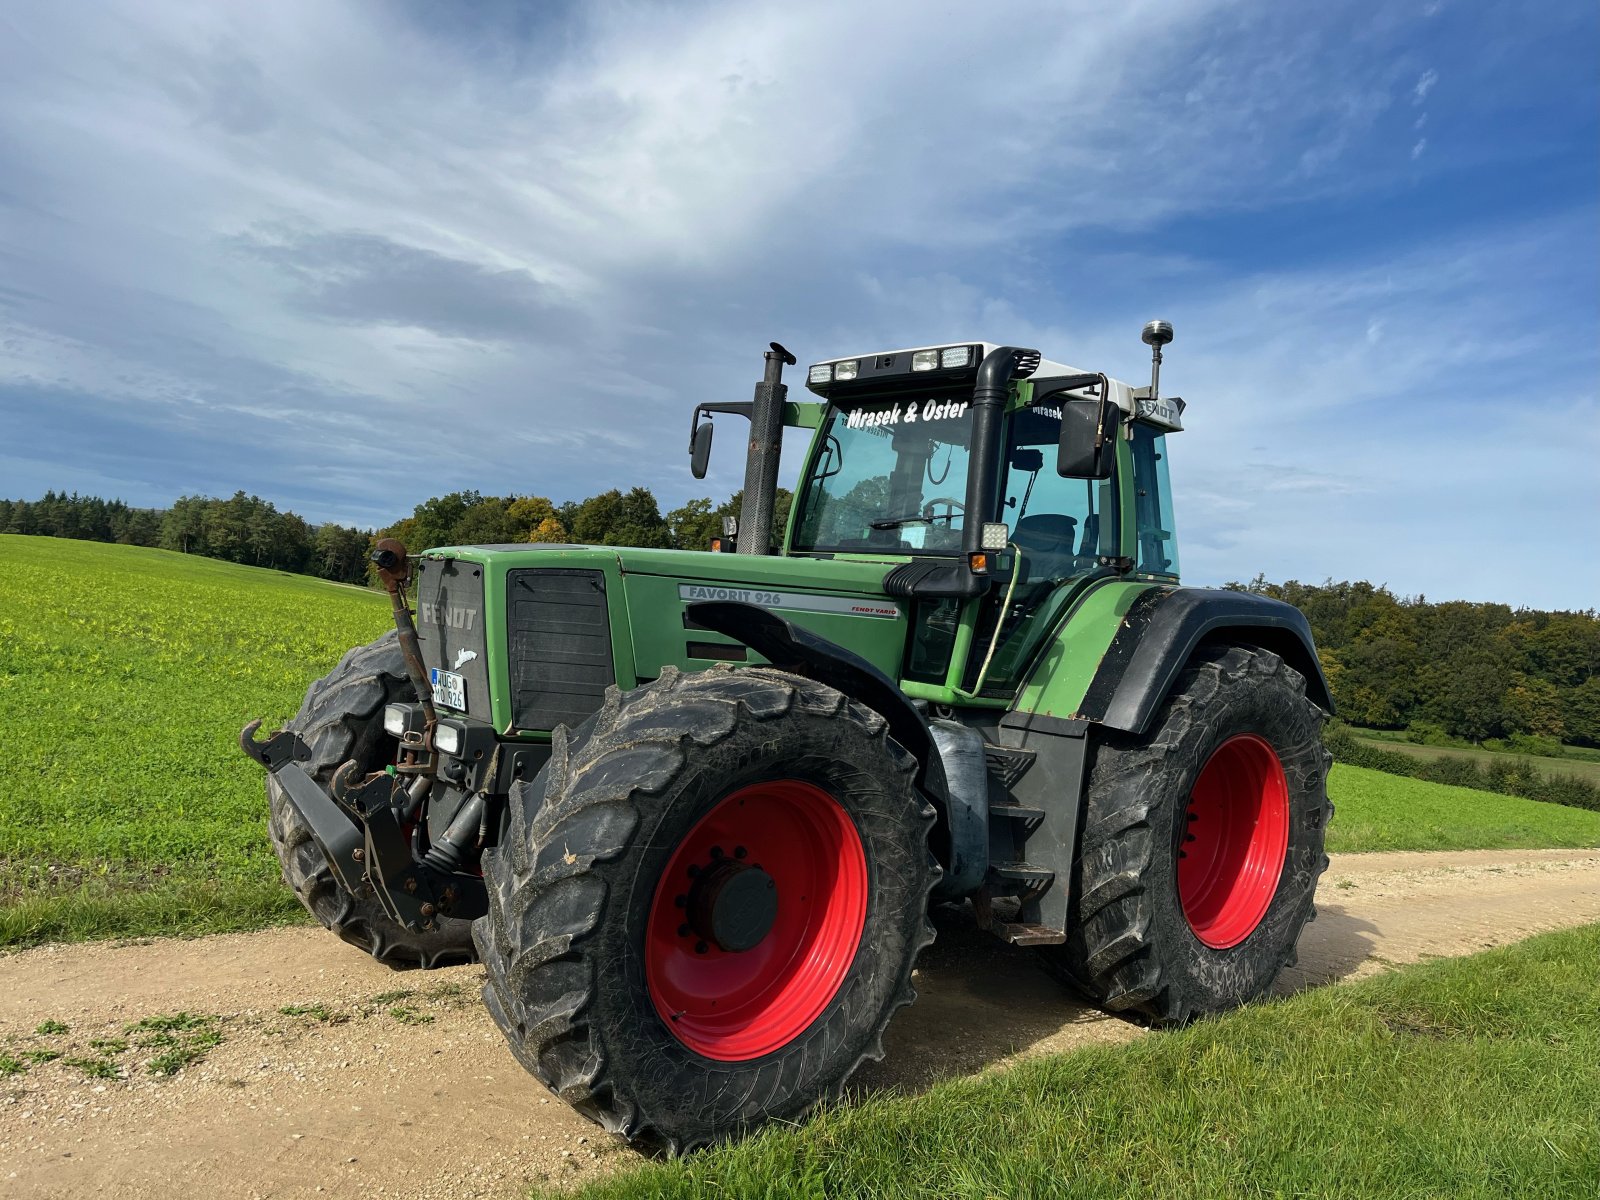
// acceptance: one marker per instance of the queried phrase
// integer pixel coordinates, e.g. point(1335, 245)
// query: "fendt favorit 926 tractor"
point(691, 809)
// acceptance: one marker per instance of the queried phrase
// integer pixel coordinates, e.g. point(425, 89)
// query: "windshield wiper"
point(896, 522)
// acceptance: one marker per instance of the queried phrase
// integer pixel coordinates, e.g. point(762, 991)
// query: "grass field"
point(1582, 767)
point(126, 807)
point(125, 674)
point(1375, 811)
point(1466, 1077)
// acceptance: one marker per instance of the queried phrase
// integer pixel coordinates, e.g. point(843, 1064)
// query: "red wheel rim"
point(739, 1004)
point(1237, 837)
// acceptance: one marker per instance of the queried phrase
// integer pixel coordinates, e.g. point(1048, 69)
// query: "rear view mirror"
point(700, 450)
point(1088, 439)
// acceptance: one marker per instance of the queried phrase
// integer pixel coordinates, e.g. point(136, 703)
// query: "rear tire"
point(342, 719)
point(1202, 844)
point(602, 972)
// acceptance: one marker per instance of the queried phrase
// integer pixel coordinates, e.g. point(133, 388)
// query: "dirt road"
point(335, 1075)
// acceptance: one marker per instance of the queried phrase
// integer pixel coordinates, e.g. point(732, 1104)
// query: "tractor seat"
point(1048, 542)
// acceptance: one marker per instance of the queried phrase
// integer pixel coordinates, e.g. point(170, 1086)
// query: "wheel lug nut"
point(716, 852)
point(740, 852)
point(1183, 854)
point(683, 931)
point(1189, 837)
point(1194, 817)
point(701, 947)
point(681, 901)
point(693, 871)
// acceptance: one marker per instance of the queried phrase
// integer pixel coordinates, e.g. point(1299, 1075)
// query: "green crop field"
point(125, 674)
point(1464, 1077)
point(126, 807)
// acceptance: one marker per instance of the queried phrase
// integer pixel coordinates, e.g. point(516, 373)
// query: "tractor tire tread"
point(545, 897)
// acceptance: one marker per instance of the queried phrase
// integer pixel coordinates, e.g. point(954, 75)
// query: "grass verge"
point(1464, 1077)
point(1378, 811)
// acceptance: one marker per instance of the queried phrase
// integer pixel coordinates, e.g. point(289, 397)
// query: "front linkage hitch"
point(362, 827)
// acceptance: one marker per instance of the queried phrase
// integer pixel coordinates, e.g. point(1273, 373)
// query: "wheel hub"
point(732, 905)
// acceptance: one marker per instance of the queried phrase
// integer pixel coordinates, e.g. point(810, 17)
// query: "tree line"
point(1452, 669)
point(242, 529)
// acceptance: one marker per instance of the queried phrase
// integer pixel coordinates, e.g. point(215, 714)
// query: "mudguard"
point(1165, 626)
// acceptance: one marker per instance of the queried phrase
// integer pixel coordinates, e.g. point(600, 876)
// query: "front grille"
point(450, 626)
point(560, 645)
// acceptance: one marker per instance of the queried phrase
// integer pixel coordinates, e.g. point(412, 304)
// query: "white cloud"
point(1425, 84)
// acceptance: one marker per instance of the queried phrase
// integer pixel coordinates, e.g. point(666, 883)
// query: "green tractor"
point(691, 809)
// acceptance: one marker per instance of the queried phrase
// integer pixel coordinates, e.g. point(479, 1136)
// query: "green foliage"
point(10, 1065)
point(1473, 671)
point(1499, 773)
point(1464, 1077)
point(52, 1028)
point(128, 672)
point(182, 1038)
point(94, 1068)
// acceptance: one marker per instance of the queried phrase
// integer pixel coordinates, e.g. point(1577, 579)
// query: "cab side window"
point(1152, 503)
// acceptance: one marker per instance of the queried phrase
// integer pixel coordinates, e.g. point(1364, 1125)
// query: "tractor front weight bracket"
point(358, 830)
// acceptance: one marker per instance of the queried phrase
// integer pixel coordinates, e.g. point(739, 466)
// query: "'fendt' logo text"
point(451, 616)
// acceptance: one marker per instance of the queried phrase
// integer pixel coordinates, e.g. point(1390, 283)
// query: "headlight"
point(956, 356)
point(846, 370)
point(925, 360)
point(395, 720)
point(821, 373)
point(447, 738)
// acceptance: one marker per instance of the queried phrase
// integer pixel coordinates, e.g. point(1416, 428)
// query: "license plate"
point(449, 689)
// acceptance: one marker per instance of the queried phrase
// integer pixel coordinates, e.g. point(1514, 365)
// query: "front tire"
point(708, 905)
point(1202, 844)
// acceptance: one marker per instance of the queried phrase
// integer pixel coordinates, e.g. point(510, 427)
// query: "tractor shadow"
point(1335, 946)
point(982, 1003)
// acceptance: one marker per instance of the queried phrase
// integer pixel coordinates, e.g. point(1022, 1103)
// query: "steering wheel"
point(927, 508)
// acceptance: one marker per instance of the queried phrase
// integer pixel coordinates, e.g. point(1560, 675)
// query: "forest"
point(1441, 669)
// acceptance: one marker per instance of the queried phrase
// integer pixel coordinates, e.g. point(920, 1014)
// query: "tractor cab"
point(995, 484)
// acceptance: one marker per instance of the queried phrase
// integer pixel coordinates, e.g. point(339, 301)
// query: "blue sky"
point(283, 247)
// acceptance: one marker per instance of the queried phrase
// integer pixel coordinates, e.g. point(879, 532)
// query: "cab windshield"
point(891, 477)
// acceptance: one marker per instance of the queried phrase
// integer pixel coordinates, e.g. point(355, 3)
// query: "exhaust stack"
point(766, 444)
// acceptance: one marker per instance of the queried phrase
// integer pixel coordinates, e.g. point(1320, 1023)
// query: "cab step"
point(1024, 879)
point(1029, 818)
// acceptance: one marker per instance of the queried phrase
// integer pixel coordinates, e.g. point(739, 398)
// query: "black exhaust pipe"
point(766, 444)
point(1000, 366)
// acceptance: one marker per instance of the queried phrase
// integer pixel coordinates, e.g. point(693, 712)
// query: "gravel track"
point(396, 1084)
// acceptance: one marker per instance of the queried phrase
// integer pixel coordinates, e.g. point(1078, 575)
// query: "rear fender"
point(1165, 627)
